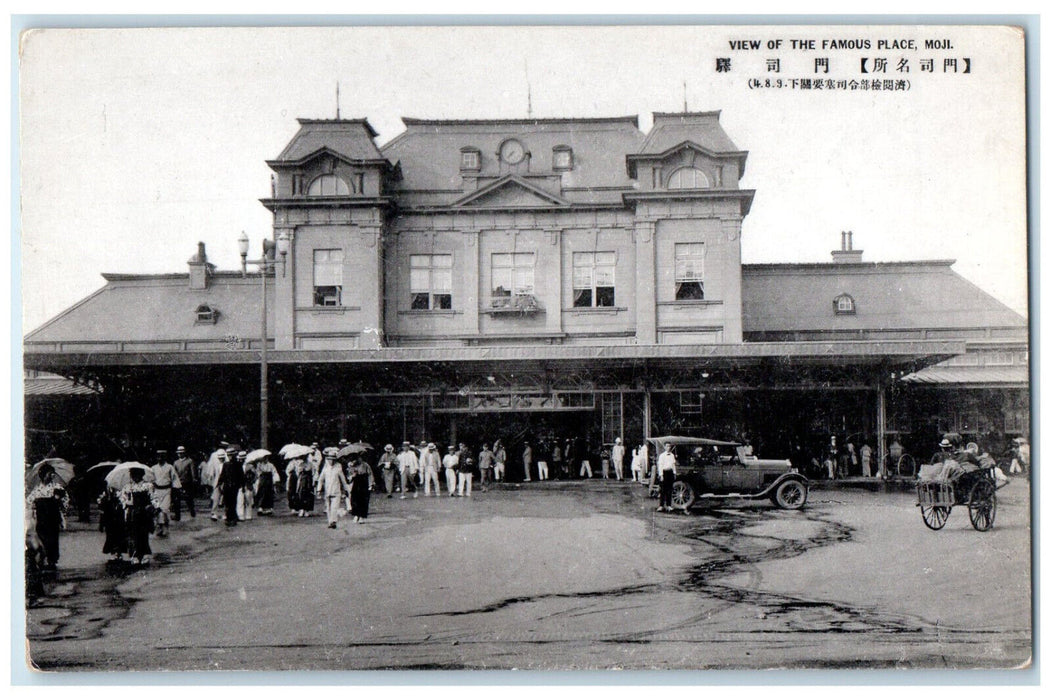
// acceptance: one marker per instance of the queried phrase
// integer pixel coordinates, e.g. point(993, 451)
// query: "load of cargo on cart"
point(968, 479)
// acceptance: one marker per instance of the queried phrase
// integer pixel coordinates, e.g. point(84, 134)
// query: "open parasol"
point(63, 471)
point(295, 451)
point(256, 455)
point(101, 468)
point(121, 474)
point(354, 448)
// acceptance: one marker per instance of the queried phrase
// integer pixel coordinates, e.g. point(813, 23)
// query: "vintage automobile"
point(716, 469)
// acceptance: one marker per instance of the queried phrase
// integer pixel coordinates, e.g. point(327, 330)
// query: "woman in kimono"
point(266, 479)
point(111, 522)
point(246, 496)
point(305, 488)
point(292, 485)
point(140, 504)
point(47, 504)
point(361, 484)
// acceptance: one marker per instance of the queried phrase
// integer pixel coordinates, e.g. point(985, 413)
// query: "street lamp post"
point(266, 265)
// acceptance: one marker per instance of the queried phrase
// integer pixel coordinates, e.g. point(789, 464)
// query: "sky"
point(138, 143)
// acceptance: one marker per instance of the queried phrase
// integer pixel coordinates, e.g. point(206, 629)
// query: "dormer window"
point(843, 305)
point(206, 314)
point(328, 186)
point(562, 158)
point(470, 158)
point(688, 179)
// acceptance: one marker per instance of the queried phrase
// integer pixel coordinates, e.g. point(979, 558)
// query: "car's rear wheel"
point(682, 495)
point(790, 495)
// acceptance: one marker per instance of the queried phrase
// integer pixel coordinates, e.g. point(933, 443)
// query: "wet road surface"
point(563, 575)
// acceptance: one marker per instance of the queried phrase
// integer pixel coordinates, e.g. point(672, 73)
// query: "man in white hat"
point(165, 479)
point(618, 458)
point(430, 462)
point(945, 452)
point(451, 461)
point(388, 466)
point(331, 485)
point(409, 467)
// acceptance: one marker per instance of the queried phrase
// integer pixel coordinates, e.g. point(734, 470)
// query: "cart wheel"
point(906, 466)
point(934, 517)
point(981, 505)
point(682, 495)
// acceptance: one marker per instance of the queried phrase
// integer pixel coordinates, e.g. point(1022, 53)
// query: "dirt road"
point(562, 575)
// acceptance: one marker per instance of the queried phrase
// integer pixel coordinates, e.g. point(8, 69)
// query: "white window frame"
point(587, 266)
point(677, 180)
point(689, 269)
point(844, 305)
point(341, 188)
point(430, 281)
point(522, 270)
point(470, 159)
point(328, 276)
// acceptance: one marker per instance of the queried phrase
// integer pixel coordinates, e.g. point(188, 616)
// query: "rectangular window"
point(328, 277)
point(593, 275)
point(998, 358)
point(469, 160)
point(689, 271)
point(431, 281)
point(512, 274)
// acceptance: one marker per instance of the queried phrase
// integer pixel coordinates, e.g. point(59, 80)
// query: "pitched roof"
point(673, 128)
point(894, 295)
point(55, 386)
point(159, 308)
point(350, 138)
point(971, 376)
point(429, 153)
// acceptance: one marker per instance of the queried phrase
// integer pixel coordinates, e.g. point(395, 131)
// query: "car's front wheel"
point(682, 495)
point(790, 495)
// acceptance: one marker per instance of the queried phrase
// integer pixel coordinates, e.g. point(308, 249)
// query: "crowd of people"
point(242, 485)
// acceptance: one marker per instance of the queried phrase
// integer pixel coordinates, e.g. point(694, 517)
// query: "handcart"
point(942, 486)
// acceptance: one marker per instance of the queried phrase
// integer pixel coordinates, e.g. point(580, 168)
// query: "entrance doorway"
point(540, 429)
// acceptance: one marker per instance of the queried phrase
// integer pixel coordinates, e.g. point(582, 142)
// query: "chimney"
point(846, 252)
point(200, 268)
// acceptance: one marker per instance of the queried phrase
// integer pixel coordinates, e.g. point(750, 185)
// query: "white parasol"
point(121, 474)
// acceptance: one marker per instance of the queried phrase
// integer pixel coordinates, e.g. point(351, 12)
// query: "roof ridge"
point(417, 121)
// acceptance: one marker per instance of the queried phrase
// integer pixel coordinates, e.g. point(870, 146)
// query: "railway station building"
point(529, 279)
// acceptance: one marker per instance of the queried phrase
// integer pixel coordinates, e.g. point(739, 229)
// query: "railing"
point(515, 304)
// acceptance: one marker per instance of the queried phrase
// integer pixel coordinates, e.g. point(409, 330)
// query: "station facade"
point(539, 279)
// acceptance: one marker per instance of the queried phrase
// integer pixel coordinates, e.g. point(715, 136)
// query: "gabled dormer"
point(687, 151)
point(331, 160)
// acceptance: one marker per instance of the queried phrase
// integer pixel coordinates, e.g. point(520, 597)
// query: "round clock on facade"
point(512, 151)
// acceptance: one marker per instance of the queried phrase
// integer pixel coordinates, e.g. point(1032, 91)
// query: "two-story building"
point(483, 279)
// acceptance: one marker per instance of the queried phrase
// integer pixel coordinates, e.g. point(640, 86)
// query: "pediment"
point(687, 147)
point(316, 155)
point(510, 192)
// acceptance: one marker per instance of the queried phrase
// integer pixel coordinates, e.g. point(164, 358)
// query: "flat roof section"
point(894, 353)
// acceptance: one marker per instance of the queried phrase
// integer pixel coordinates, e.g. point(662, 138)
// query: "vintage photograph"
point(539, 348)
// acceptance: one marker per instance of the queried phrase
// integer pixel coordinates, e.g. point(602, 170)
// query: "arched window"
point(844, 304)
point(206, 314)
point(328, 186)
point(687, 179)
